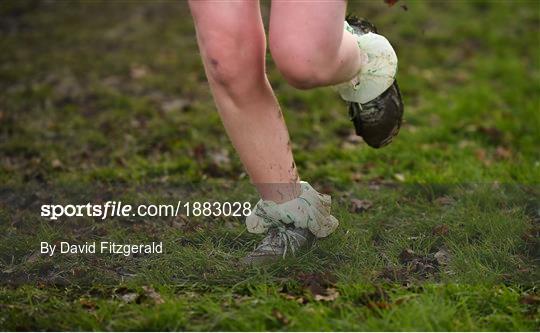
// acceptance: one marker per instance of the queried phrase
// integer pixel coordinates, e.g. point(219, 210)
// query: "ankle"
point(279, 192)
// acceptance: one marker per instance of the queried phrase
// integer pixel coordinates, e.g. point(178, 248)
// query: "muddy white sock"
point(377, 75)
point(311, 210)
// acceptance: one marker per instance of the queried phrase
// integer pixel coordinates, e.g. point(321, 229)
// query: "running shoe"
point(373, 97)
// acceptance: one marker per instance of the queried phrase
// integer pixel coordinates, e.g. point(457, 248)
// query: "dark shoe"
point(378, 120)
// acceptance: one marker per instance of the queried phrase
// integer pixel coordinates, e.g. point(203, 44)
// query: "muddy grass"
point(108, 101)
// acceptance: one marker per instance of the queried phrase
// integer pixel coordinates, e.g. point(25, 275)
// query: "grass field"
point(108, 101)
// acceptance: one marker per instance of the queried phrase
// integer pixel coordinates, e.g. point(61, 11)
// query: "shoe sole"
point(379, 120)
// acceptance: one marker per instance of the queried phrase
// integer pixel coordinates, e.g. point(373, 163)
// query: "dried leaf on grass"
point(330, 294)
point(216, 163)
point(423, 265)
point(297, 299)
point(87, 304)
point(442, 256)
point(138, 71)
point(280, 317)
point(530, 299)
point(416, 265)
point(177, 104)
point(399, 177)
point(493, 134)
point(199, 152)
point(129, 297)
point(321, 286)
point(148, 294)
point(378, 299)
point(396, 274)
point(56, 164)
point(440, 230)
point(379, 305)
point(444, 201)
point(359, 206)
point(503, 153)
point(220, 158)
point(153, 295)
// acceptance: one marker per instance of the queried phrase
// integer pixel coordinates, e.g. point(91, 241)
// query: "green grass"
point(103, 101)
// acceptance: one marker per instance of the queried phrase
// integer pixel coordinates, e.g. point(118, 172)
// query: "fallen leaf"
point(9, 270)
point(78, 272)
point(219, 164)
point(444, 200)
point(280, 317)
point(183, 223)
point(503, 153)
point(220, 157)
point(315, 288)
point(138, 71)
point(33, 257)
point(297, 299)
point(379, 305)
point(404, 299)
point(56, 164)
point(376, 296)
point(440, 230)
point(530, 299)
point(357, 176)
point(330, 294)
point(460, 76)
point(423, 265)
point(153, 295)
point(464, 144)
point(87, 304)
point(442, 256)
point(400, 177)
point(359, 206)
point(481, 155)
point(494, 134)
point(395, 274)
point(239, 299)
point(199, 152)
point(320, 285)
point(177, 104)
point(406, 255)
point(129, 297)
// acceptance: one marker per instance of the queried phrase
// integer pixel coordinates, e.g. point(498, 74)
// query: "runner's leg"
point(309, 44)
point(232, 43)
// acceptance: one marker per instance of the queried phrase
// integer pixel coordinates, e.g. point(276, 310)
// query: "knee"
point(303, 67)
point(234, 66)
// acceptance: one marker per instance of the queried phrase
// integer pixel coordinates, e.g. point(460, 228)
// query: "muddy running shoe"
point(278, 243)
point(311, 211)
point(290, 225)
point(373, 97)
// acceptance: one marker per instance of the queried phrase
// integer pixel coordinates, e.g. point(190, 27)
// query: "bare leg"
point(232, 43)
point(309, 45)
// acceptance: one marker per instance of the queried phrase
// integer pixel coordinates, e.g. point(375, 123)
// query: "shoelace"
point(289, 238)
